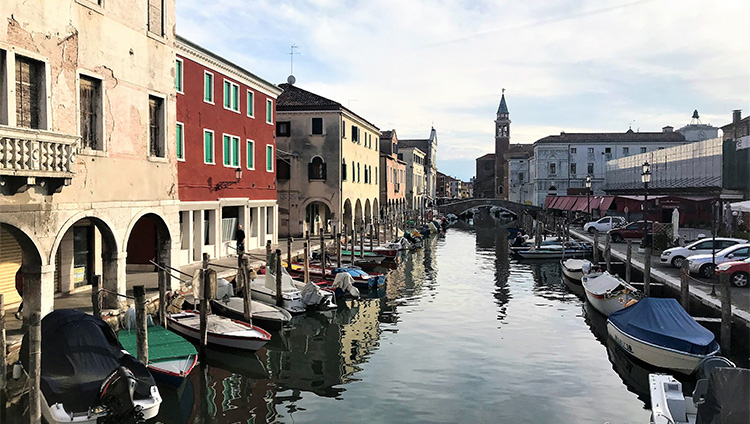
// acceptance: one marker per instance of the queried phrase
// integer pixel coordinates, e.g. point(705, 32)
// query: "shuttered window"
point(208, 87)
point(156, 16)
point(250, 154)
point(180, 141)
point(231, 151)
point(269, 111)
point(29, 78)
point(269, 158)
point(178, 75)
point(316, 170)
point(317, 126)
point(90, 90)
point(208, 147)
point(156, 130)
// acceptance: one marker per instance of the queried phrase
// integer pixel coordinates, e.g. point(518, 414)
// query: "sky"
point(566, 65)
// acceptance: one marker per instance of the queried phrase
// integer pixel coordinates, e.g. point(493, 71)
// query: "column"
point(114, 279)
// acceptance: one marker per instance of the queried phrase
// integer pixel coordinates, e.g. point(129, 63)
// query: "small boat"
point(222, 331)
point(87, 376)
point(389, 250)
point(362, 279)
point(659, 332)
point(267, 316)
point(573, 269)
point(346, 254)
point(721, 396)
point(263, 289)
point(554, 251)
point(170, 357)
point(608, 293)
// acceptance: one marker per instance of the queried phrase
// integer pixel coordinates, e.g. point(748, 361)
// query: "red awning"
point(549, 200)
point(569, 202)
point(607, 202)
point(580, 204)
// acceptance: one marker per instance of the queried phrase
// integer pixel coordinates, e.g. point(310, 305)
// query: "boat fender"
point(631, 302)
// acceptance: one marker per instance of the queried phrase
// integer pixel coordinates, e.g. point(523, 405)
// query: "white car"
point(604, 224)
point(675, 255)
point(704, 266)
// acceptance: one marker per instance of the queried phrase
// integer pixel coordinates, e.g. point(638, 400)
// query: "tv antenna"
point(291, 56)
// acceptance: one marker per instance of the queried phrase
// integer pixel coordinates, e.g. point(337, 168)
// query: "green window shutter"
point(226, 150)
point(269, 112)
point(235, 98)
point(180, 142)
point(250, 155)
point(208, 89)
point(250, 104)
point(227, 94)
point(269, 158)
point(178, 75)
point(208, 147)
point(235, 151)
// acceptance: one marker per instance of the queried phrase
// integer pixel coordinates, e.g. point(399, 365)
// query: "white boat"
point(553, 251)
point(263, 289)
point(608, 293)
point(573, 269)
point(660, 333)
point(267, 316)
point(222, 331)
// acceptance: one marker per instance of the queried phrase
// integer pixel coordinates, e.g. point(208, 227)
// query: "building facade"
point(518, 159)
point(502, 144)
point(226, 154)
point(392, 176)
point(429, 147)
point(484, 179)
point(87, 131)
point(327, 166)
point(416, 183)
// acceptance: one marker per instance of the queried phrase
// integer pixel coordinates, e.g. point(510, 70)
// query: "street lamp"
point(588, 194)
point(645, 179)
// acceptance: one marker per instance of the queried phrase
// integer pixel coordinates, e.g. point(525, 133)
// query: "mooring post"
point(35, 365)
point(377, 230)
point(685, 286)
point(608, 252)
point(726, 314)
point(370, 231)
point(141, 329)
point(323, 253)
point(351, 251)
point(628, 261)
point(595, 251)
point(307, 263)
point(289, 252)
point(163, 295)
point(268, 253)
point(3, 358)
point(538, 234)
point(205, 295)
point(246, 292)
point(338, 250)
point(362, 241)
point(279, 299)
point(96, 298)
point(647, 272)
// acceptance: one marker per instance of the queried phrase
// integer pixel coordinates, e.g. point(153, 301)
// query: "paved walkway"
point(670, 276)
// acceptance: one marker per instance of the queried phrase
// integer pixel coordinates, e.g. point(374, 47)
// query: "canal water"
point(461, 333)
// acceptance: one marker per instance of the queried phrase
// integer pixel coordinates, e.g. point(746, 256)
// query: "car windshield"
point(732, 249)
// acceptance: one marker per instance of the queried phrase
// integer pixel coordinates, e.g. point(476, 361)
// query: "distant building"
point(429, 147)
point(502, 144)
point(392, 174)
point(736, 158)
point(467, 189)
point(518, 158)
point(697, 131)
point(442, 188)
point(416, 184)
point(484, 179)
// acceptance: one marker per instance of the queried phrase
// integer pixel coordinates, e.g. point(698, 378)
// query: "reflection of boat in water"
point(178, 405)
point(245, 364)
point(596, 321)
point(634, 373)
point(574, 288)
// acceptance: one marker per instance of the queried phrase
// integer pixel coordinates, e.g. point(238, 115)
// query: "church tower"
point(502, 144)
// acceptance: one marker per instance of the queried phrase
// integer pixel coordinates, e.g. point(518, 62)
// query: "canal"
point(460, 334)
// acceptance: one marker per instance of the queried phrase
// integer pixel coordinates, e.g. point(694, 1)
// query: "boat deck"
point(162, 344)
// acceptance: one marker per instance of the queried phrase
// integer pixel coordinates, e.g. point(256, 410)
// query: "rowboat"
point(573, 269)
point(269, 317)
point(554, 251)
point(171, 358)
point(608, 293)
point(222, 331)
point(659, 332)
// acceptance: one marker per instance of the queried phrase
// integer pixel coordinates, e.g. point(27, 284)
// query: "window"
point(343, 129)
point(625, 151)
point(208, 147)
point(180, 141)
point(660, 148)
point(156, 126)
point(553, 168)
point(591, 150)
point(231, 96)
point(643, 150)
point(269, 218)
point(316, 170)
point(590, 169)
point(366, 179)
point(250, 154)
point(317, 126)
point(91, 116)
point(156, 17)
point(269, 158)
point(607, 150)
point(30, 83)
point(520, 177)
point(269, 111)
point(355, 134)
point(283, 128)
point(231, 151)
point(487, 166)
point(250, 104)
point(573, 150)
point(178, 75)
point(343, 169)
point(359, 174)
point(573, 167)
point(283, 170)
point(208, 87)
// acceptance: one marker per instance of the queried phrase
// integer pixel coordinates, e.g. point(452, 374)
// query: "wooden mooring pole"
point(726, 314)
point(203, 306)
point(538, 234)
point(289, 253)
point(647, 272)
point(370, 231)
point(247, 301)
point(307, 263)
point(141, 327)
point(96, 298)
point(362, 241)
point(338, 250)
point(351, 249)
point(608, 252)
point(323, 253)
point(268, 252)
point(3, 357)
point(628, 261)
point(163, 295)
point(685, 286)
point(279, 299)
point(35, 367)
point(595, 252)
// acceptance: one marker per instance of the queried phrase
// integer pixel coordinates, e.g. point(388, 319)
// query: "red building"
point(226, 152)
point(393, 175)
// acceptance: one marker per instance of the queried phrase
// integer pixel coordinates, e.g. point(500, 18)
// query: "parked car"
point(738, 271)
point(604, 224)
point(631, 230)
point(675, 255)
point(703, 265)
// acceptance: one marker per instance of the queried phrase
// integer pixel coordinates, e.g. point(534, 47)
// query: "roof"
point(487, 156)
point(387, 135)
point(742, 121)
point(503, 108)
point(628, 136)
point(294, 98)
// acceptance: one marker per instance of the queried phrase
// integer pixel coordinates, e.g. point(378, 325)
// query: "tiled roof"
point(386, 135)
point(487, 156)
point(294, 98)
point(742, 121)
point(628, 136)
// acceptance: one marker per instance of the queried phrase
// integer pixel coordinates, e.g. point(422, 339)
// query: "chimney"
point(736, 116)
point(667, 129)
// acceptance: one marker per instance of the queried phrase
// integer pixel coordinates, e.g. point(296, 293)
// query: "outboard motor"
point(116, 397)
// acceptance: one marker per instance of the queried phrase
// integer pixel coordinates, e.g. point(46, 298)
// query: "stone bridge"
point(461, 206)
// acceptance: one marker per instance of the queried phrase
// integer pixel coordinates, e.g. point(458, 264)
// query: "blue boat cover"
point(664, 323)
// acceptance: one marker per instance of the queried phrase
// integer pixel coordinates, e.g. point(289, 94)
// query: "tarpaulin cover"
point(664, 323)
point(602, 284)
point(727, 397)
point(78, 352)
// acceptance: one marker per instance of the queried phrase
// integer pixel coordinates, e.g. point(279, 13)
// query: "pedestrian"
point(240, 240)
point(19, 289)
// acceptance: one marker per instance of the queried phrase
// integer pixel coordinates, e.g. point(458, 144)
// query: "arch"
point(347, 216)
point(317, 214)
point(368, 212)
point(552, 188)
point(316, 169)
point(32, 254)
point(358, 213)
point(376, 209)
point(101, 223)
point(148, 237)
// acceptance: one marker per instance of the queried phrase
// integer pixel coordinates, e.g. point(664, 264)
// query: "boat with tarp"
point(171, 358)
point(608, 293)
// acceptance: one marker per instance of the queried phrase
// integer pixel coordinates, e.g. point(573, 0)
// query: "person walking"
point(240, 240)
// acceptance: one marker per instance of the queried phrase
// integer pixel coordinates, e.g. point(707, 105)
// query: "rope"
point(224, 266)
point(116, 294)
point(173, 269)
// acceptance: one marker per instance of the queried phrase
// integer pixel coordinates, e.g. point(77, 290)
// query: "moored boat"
point(171, 358)
point(573, 269)
point(659, 332)
point(222, 331)
point(554, 251)
point(268, 317)
point(608, 293)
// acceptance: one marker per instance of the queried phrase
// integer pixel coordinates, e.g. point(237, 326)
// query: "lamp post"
point(588, 195)
point(645, 179)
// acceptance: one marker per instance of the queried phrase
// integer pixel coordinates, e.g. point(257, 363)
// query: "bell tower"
point(502, 144)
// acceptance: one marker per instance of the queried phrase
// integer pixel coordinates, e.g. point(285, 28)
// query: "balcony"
point(35, 157)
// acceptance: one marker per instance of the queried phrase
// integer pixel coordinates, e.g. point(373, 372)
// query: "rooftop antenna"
point(630, 125)
point(291, 79)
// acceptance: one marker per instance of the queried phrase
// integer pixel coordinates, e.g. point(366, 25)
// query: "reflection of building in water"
point(502, 272)
point(360, 337)
point(548, 282)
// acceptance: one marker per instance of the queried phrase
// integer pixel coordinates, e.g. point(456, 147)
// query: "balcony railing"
point(37, 153)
